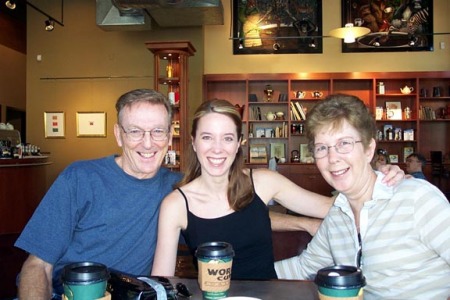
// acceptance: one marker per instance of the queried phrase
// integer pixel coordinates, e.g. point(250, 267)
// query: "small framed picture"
point(277, 150)
point(54, 124)
point(305, 155)
point(393, 158)
point(394, 110)
point(91, 124)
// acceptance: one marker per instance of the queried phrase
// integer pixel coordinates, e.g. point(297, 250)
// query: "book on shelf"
point(301, 110)
point(427, 113)
point(258, 153)
point(283, 98)
point(296, 114)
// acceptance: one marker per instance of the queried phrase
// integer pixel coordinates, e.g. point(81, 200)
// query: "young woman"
point(220, 200)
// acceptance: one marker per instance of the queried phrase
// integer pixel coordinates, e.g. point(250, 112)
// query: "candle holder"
point(268, 91)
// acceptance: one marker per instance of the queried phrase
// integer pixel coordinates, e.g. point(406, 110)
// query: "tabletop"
point(265, 290)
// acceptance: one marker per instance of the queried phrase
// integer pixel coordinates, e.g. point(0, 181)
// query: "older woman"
point(398, 236)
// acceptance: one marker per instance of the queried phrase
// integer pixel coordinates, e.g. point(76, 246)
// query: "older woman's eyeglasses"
point(136, 135)
point(343, 146)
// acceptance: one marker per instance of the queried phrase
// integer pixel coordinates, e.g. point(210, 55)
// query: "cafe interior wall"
point(85, 69)
point(219, 44)
point(12, 80)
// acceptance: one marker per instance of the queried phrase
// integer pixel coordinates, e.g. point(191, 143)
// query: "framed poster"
point(394, 25)
point(91, 124)
point(54, 124)
point(277, 27)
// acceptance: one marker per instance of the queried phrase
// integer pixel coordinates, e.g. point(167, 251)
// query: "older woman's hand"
point(393, 174)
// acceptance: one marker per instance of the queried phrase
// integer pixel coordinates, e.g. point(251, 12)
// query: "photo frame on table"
point(54, 124)
point(91, 124)
point(395, 26)
point(260, 27)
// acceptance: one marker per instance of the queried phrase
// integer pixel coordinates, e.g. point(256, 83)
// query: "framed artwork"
point(91, 124)
point(393, 110)
point(54, 124)
point(394, 25)
point(277, 150)
point(393, 158)
point(305, 155)
point(277, 27)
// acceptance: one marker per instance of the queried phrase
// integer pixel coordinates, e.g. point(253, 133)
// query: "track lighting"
point(10, 4)
point(49, 25)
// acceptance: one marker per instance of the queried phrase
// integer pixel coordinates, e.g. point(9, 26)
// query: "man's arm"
point(285, 222)
point(35, 279)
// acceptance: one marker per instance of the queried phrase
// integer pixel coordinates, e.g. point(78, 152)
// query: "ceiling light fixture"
point(49, 25)
point(10, 4)
point(349, 32)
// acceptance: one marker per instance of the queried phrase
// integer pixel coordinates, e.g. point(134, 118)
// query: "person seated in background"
point(381, 158)
point(221, 200)
point(414, 163)
point(398, 235)
point(104, 210)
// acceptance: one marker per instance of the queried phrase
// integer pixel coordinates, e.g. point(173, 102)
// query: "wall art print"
point(277, 26)
point(395, 25)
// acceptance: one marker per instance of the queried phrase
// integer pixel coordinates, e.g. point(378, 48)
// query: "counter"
point(22, 186)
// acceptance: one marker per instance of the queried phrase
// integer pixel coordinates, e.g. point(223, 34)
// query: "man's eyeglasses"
point(136, 135)
point(343, 146)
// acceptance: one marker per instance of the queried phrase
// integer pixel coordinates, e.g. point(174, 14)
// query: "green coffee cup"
point(339, 282)
point(85, 280)
point(215, 260)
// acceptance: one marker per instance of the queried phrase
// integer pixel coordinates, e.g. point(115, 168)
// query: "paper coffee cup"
point(84, 280)
point(215, 260)
point(340, 282)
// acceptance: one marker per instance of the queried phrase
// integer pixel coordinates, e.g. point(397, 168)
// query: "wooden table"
point(265, 290)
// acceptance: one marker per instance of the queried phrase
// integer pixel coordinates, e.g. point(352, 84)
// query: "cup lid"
point(339, 277)
point(214, 249)
point(84, 271)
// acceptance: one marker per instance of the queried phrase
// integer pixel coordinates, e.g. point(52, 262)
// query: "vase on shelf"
point(268, 91)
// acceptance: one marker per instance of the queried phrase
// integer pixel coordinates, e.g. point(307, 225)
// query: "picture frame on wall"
point(54, 124)
point(91, 124)
point(395, 26)
point(260, 27)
